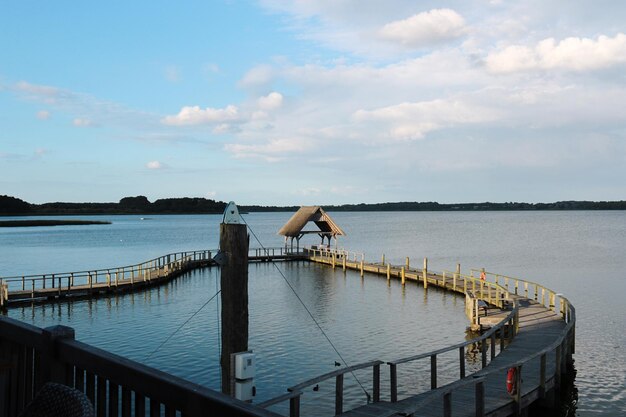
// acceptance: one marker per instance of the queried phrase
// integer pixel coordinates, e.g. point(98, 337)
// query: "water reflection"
point(366, 318)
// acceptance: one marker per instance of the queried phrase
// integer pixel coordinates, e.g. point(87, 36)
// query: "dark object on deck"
point(57, 400)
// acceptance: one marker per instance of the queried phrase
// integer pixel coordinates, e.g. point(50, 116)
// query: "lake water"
point(580, 254)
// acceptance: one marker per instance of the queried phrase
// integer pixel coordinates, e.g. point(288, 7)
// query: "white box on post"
point(245, 365)
point(244, 390)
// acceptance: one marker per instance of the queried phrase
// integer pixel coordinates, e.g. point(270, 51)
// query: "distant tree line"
point(141, 205)
point(127, 205)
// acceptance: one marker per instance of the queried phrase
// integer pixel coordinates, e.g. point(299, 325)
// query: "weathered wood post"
point(51, 368)
point(388, 272)
point(425, 273)
point(402, 275)
point(408, 263)
point(234, 283)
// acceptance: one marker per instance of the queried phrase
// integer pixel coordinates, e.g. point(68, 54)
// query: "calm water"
point(580, 254)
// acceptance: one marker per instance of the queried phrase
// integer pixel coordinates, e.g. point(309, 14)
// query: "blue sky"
point(313, 102)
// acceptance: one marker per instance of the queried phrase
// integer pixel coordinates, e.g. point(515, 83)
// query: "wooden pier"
point(532, 331)
point(92, 283)
point(523, 325)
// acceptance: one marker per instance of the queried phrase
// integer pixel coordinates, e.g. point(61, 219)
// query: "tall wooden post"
point(234, 284)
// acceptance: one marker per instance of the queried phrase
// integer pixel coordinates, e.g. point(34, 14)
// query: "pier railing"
point(140, 272)
point(507, 329)
point(531, 290)
point(116, 386)
point(560, 350)
point(30, 287)
point(295, 392)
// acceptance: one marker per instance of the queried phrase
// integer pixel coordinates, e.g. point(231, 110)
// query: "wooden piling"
point(402, 275)
point(425, 273)
point(234, 284)
point(388, 272)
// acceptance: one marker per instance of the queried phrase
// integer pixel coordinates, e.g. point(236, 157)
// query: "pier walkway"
point(91, 283)
point(524, 326)
point(534, 326)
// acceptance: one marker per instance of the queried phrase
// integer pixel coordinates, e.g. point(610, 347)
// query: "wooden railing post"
point(542, 376)
point(518, 395)
point(393, 381)
point(376, 383)
point(461, 362)
point(51, 368)
point(433, 371)
point(339, 394)
point(294, 406)
point(480, 399)
point(447, 404)
point(483, 352)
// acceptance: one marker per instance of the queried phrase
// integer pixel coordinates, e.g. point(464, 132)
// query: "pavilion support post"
point(234, 284)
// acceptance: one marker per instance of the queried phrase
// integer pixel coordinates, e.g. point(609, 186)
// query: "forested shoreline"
point(12, 206)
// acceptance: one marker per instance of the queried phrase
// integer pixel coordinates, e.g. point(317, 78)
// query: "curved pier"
point(525, 326)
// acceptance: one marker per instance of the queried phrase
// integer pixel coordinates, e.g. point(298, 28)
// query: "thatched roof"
point(307, 214)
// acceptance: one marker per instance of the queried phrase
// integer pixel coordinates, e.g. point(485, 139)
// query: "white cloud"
point(425, 28)
point(270, 102)
point(576, 54)
point(194, 115)
point(410, 121)
point(156, 165)
point(44, 93)
point(272, 150)
point(43, 115)
point(89, 107)
point(82, 122)
point(258, 75)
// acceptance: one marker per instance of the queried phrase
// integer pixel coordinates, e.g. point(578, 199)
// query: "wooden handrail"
point(480, 338)
point(332, 374)
point(141, 271)
point(281, 398)
point(52, 354)
point(104, 270)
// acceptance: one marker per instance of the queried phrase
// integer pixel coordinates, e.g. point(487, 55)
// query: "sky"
point(313, 101)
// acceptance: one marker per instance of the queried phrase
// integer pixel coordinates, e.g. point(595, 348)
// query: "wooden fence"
point(116, 386)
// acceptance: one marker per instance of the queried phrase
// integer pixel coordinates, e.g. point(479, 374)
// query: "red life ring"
point(511, 381)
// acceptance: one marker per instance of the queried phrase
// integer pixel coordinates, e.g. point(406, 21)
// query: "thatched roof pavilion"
point(293, 229)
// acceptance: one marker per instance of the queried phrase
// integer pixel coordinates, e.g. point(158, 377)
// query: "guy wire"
point(307, 310)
